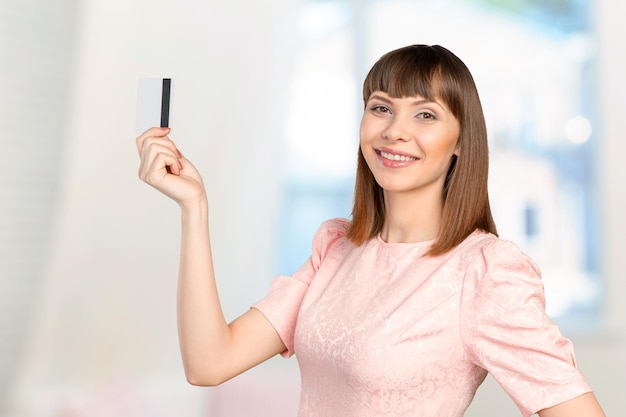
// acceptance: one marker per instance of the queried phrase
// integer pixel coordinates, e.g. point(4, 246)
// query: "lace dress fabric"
point(380, 330)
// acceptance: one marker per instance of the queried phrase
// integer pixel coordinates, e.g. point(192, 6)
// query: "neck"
point(410, 218)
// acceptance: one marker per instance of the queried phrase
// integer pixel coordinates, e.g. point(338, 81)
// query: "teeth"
point(393, 157)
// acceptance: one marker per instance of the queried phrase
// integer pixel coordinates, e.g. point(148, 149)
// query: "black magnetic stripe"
point(165, 102)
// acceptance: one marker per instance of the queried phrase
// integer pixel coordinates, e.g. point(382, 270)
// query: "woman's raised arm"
point(212, 350)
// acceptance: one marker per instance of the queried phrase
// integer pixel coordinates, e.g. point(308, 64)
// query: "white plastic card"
point(153, 103)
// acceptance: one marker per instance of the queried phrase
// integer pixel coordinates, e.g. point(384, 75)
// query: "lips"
point(394, 159)
point(397, 157)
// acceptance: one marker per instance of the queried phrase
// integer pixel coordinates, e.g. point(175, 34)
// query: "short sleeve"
point(506, 331)
point(283, 300)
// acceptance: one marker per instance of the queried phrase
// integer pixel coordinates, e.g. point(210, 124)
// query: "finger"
point(157, 152)
point(159, 143)
point(150, 142)
point(155, 170)
point(152, 132)
point(156, 131)
point(176, 168)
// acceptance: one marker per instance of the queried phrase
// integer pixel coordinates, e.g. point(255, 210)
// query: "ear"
point(457, 149)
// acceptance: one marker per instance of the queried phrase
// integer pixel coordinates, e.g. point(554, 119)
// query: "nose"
point(396, 130)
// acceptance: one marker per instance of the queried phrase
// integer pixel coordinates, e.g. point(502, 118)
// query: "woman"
point(403, 310)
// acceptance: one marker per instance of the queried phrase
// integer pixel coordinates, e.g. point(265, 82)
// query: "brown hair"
point(432, 72)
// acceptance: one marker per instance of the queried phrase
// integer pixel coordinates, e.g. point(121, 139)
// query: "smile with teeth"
point(393, 157)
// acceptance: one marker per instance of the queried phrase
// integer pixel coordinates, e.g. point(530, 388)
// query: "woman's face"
point(408, 143)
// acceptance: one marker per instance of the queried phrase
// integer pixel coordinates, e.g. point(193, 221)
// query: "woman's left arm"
point(584, 406)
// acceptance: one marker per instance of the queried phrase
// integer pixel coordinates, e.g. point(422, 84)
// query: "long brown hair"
point(432, 72)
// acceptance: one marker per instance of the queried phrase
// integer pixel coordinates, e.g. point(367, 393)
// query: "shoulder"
point(485, 251)
point(498, 274)
point(329, 232)
point(334, 227)
point(327, 236)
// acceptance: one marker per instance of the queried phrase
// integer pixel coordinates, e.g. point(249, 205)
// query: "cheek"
point(369, 128)
point(450, 145)
point(368, 155)
point(364, 132)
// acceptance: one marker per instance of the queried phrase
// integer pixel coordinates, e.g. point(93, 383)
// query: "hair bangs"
point(401, 76)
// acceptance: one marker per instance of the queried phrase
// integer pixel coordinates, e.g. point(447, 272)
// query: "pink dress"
point(379, 330)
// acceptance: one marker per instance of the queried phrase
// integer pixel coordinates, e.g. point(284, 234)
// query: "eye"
point(426, 115)
point(379, 108)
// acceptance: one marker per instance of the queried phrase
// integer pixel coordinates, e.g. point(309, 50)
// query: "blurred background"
point(266, 103)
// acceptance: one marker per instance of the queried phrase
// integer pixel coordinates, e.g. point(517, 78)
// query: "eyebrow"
point(389, 101)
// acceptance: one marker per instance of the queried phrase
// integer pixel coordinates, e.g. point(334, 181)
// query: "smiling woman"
point(415, 99)
point(86, 250)
point(447, 301)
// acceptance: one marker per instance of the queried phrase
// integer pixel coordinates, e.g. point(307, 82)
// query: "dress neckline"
point(402, 245)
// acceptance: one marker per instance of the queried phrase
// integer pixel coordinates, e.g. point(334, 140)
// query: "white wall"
point(106, 323)
point(105, 337)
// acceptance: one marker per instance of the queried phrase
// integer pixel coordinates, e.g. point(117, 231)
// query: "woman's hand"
point(163, 167)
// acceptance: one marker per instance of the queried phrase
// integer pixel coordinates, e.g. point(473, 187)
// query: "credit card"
point(153, 103)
